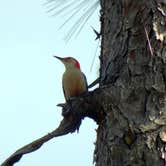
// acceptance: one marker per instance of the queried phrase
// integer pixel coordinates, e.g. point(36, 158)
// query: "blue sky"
point(30, 83)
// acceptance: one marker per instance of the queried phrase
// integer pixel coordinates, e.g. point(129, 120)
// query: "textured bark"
point(130, 104)
point(133, 64)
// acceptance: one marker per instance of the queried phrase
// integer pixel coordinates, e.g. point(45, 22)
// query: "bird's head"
point(69, 62)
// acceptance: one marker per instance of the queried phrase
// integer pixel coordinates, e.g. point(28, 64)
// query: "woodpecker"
point(74, 81)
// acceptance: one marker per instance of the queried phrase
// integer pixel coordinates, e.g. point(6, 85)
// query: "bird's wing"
point(64, 92)
point(86, 83)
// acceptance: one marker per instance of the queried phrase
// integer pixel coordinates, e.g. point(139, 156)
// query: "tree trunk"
point(133, 73)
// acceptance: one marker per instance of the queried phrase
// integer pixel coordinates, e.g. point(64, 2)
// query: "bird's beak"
point(58, 58)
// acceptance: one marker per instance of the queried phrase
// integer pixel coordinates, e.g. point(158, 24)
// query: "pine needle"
point(82, 10)
point(79, 24)
point(94, 57)
point(149, 44)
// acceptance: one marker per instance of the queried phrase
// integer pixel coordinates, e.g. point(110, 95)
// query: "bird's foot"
point(68, 108)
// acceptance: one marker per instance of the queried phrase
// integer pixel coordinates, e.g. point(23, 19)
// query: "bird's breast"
point(73, 83)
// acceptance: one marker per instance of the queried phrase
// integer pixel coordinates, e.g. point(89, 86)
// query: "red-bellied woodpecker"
point(74, 81)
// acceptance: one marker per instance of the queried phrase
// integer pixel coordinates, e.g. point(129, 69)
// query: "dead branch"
point(73, 113)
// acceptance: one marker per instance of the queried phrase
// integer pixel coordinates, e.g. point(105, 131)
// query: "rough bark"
point(133, 64)
point(130, 104)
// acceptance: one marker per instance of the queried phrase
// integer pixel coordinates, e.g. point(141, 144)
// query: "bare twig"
point(94, 83)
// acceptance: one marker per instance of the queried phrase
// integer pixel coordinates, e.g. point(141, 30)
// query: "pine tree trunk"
point(133, 74)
